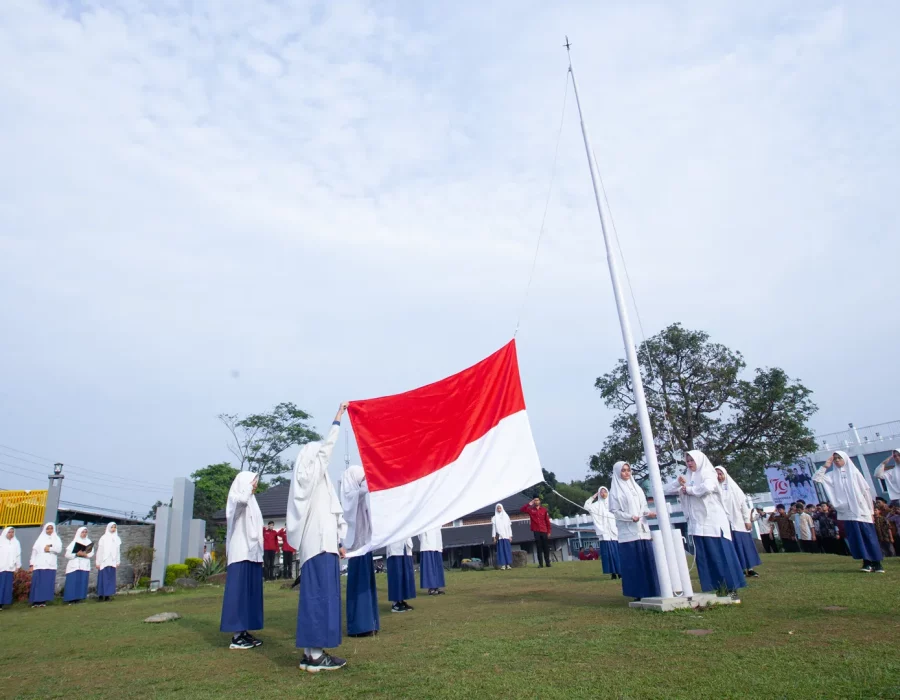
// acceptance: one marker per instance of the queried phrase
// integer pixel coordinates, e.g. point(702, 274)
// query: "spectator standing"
point(826, 529)
point(766, 534)
point(806, 532)
point(786, 530)
point(883, 528)
point(270, 550)
point(287, 555)
point(540, 528)
point(890, 474)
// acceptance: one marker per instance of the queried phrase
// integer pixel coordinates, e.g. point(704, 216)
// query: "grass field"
point(527, 633)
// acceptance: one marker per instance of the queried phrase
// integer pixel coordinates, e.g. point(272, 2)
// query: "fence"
point(22, 508)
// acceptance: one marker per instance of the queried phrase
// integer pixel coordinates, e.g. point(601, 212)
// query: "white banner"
point(791, 483)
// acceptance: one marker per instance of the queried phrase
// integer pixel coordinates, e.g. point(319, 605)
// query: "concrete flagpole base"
point(698, 600)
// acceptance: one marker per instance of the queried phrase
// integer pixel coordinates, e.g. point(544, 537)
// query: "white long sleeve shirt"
point(400, 549)
point(624, 511)
point(702, 506)
point(849, 492)
point(604, 520)
point(107, 553)
point(46, 560)
point(76, 563)
point(10, 553)
point(891, 478)
point(431, 541)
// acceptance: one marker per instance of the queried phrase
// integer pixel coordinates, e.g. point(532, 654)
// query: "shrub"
point(21, 585)
point(192, 563)
point(207, 569)
point(174, 571)
point(143, 582)
point(141, 559)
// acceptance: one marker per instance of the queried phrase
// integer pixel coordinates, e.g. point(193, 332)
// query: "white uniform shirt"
point(604, 520)
point(10, 552)
point(702, 504)
point(76, 563)
point(400, 549)
point(431, 541)
point(891, 478)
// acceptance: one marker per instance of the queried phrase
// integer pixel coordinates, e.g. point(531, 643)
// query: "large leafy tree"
point(211, 485)
point(558, 506)
point(261, 438)
point(697, 399)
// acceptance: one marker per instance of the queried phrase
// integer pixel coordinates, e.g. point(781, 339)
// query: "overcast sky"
point(206, 212)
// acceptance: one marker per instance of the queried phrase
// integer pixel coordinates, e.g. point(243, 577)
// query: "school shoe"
point(866, 569)
point(752, 574)
point(407, 606)
point(397, 608)
point(326, 662)
point(879, 570)
point(240, 642)
point(438, 591)
point(253, 640)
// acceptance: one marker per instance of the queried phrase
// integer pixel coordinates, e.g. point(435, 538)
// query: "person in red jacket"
point(270, 550)
point(287, 555)
point(540, 528)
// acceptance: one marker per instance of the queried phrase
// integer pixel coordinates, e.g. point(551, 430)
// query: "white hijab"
point(705, 470)
point(10, 552)
point(108, 548)
point(501, 523)
point(83, 540)
point(628, 494)
point(850, 490)
point(243, 536)
point(733, 498)
point(44, 539)
point(355, 503)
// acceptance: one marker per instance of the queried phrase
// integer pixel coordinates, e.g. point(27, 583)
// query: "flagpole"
point(640, 400)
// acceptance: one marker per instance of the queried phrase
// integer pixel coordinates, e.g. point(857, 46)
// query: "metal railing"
point(868, 434)
point(22, 508)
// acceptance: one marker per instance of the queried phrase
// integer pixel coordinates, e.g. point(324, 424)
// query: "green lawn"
point(528, 633)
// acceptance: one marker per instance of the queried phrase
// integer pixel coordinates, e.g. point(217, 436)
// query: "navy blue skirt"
point(401, 578)
point(431, 570)
point(43, 586)
point(504, 553)
point(362, 596)
point(717, 564)
point(76, 586)
point(106, 581)
point(609, 555)
point(862, 539)
point(319, 612)
point(242, 605)
point(6, 586)
point(638, 569)
point(745, 549)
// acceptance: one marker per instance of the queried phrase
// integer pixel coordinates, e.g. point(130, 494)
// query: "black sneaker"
point(879, 570)
point(396, 607)
point(438, 591)
point(253, 640)
point(407, 606)
point(752, 574)
point(326, 662)
point(432, 591)
point(240, 642)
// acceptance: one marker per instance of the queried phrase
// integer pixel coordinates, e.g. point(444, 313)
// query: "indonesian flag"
point(437, 453)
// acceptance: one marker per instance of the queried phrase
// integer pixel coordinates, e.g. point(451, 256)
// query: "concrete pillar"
point(198, 535)
point(54, 490)
point(160, 544)
point(180, 520)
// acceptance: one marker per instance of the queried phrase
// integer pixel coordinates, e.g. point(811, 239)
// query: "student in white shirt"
point(889, 472)
point(741, 521)
point(242, 603)
point(10, 563)
point(431, 561)
point(78, 567)
point(362, 595)
point(47, 548)
point(605, 527)
point(852, 498)
point(401, 575)
point(701, 501)
point(628, 504)
point(501, 531)
point(315, 528)
point(108, 560)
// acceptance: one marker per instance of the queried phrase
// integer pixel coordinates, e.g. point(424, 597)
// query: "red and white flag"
point(434, 454)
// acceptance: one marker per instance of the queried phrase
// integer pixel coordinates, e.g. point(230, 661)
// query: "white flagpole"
point(640, 401)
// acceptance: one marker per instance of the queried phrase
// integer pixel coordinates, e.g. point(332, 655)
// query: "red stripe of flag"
point(407, 436)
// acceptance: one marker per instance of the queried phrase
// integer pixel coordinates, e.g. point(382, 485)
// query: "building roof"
point(511, 505)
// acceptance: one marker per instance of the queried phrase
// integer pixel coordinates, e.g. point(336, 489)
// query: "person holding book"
point(78, 567)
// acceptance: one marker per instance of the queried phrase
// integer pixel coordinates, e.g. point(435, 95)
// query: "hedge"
point(174, 571)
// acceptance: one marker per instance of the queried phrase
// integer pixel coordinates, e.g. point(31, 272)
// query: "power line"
point(105, 475)
point(94, 483)
point(73, 488)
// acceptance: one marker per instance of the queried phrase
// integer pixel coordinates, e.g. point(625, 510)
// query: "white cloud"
point(342, 200)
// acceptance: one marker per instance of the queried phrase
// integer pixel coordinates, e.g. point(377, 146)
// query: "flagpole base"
point(698, 600)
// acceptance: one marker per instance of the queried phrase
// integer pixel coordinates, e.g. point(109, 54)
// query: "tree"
point(697, 400)
point(151, 514)
point(260, 439)
point(558, 507)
